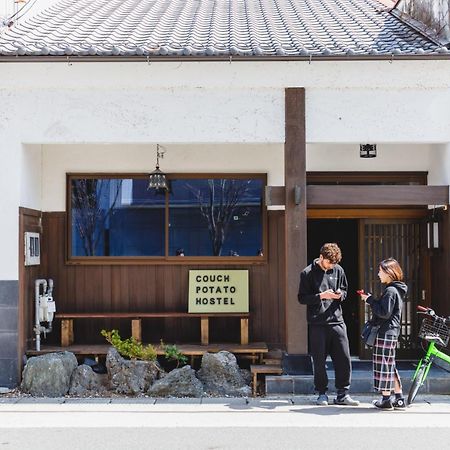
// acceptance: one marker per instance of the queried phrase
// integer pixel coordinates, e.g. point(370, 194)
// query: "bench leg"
point(204, 324)
point(136, 329)
point(67, 337)
point(244, 331)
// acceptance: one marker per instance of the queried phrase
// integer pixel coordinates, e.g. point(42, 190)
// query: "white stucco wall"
point(198, 106)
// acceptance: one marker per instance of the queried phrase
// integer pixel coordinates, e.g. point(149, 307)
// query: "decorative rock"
point(130, 376)
point(178, 383)
point(220, 375)
point(86, 382)
point(49, 375)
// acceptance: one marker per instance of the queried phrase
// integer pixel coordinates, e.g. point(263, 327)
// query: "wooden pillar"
point(204, 325)
point(295, 217)
point(67, 336)
point(244, 331)
point(136, 329)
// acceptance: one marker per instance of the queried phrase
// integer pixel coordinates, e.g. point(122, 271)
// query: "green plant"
point(172, 353)
point(130, 348)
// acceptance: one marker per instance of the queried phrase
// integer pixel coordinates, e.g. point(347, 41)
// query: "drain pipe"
point(37, 323)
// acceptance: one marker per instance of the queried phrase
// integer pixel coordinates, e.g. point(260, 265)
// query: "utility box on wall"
point(32, 249)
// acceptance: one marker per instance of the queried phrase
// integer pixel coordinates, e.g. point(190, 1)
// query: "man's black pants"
point(330, 340)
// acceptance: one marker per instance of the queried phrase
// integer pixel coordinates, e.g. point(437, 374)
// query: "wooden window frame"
point(165, 259)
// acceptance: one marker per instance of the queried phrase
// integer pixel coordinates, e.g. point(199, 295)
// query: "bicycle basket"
point(434, 327)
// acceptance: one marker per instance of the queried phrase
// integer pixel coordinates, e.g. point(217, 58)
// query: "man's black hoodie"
point(313, 281)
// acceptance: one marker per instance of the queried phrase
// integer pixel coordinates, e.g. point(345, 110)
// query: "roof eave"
point(229, 59)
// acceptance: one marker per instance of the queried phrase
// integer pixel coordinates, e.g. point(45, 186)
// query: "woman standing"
point(386, 312)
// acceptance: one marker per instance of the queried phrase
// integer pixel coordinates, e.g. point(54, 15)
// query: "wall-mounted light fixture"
point(157, 179)
point(433, 228)
point(367, 150)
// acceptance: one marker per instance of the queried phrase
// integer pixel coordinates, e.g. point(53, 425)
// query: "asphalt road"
point(284, 423)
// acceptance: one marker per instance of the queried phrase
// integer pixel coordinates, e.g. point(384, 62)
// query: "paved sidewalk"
point(218, 423)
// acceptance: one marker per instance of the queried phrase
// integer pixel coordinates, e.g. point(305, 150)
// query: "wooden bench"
point(68, 337)
point(254, 350)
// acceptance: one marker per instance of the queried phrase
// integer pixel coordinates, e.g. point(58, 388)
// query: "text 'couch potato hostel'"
point(218, 291)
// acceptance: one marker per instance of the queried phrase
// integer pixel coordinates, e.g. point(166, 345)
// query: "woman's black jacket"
point(387, 310)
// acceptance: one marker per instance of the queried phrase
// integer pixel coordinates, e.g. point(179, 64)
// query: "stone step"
point(437, 382)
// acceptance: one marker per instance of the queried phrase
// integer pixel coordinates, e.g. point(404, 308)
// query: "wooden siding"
point(29, 220)
point(440, 267)
point(121, 288)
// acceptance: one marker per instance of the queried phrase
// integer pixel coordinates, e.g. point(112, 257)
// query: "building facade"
point(298, 122)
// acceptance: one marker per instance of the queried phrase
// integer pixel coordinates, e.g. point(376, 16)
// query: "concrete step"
point(437, 382)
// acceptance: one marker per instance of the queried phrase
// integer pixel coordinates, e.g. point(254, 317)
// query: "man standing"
point(323, 286)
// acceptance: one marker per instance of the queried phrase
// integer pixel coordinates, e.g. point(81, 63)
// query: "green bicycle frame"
point(432, 353)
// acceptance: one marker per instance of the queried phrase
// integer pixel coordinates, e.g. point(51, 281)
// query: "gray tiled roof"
point(215, 28)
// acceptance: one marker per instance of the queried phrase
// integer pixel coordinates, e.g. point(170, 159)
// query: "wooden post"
point(244, 331)
point(67, 336)
point(204, 324)
point(295, 217)
point(136, 329)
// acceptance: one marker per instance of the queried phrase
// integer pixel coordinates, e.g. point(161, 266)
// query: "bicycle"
point(435, 330)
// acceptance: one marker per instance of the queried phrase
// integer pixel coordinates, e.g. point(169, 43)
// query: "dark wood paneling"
point(29, 220)
point(121, 288)
point(440, 269)
point(361, 195)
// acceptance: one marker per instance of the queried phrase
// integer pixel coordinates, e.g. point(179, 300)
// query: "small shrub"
point(130, 348)
point(172, 353)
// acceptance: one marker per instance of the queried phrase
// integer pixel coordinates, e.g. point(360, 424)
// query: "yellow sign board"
point(218, 291)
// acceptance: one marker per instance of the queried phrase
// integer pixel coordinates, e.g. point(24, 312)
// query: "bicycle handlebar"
point(430, 312)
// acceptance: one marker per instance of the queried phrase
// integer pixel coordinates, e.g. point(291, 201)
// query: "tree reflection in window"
point(91, 209)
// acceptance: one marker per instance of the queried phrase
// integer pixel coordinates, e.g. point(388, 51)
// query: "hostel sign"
point(218, 291)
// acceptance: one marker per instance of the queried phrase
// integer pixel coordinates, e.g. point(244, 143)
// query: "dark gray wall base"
point(9, 373)
point(9, 293)
point(9, 299)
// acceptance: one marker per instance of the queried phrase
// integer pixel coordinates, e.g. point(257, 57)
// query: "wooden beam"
point(367, 213)
point(365, 195)
point(295, 217)
point(361, 195)
point(275, 195)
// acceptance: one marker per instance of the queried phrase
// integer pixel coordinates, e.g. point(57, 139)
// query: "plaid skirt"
point(384, 369)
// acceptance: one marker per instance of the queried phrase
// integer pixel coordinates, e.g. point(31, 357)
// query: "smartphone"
point(360, 291)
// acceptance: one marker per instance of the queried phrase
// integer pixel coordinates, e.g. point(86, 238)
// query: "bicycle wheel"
point(417, 383)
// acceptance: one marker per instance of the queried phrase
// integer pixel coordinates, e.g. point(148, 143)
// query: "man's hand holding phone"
point(329, 294)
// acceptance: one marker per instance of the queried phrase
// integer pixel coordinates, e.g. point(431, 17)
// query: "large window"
point(200, 217)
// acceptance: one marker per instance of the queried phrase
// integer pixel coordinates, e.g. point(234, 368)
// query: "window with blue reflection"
point(119, 217)
point(216, 217)
point(116, 217)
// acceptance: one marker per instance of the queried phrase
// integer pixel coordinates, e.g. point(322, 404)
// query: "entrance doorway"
point(345, 233)
point(364, 243)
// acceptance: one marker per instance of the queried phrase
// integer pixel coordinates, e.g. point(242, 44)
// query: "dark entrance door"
point(403, 240)
point(345, 233)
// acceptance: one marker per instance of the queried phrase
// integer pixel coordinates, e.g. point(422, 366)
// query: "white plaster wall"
point(390, 157)
point(31, 177)
point(440, 166)
point(403, 102)
point(61, 159)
